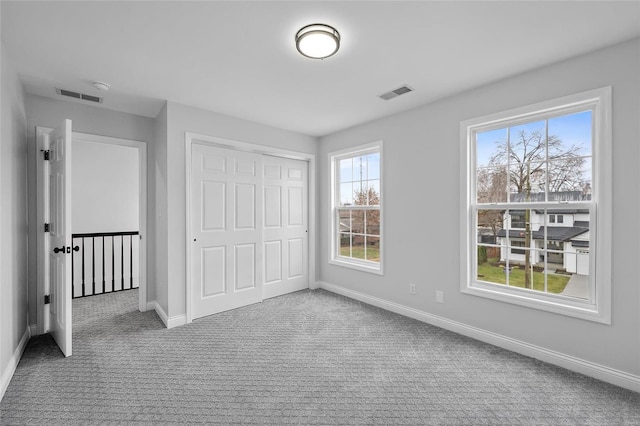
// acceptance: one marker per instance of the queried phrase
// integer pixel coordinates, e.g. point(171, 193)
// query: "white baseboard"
point(588, 368)
point(169, 322)
point(7, 374)
point(314, 285)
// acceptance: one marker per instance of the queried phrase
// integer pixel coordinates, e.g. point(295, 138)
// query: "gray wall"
point(422, 157)
point(47, 112)
point(13, 218)
point(182, 119)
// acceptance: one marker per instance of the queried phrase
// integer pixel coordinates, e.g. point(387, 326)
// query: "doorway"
point(97, 275)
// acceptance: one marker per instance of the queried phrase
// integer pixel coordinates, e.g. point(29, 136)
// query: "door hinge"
point(46, 154)
point(47, 299)
point(47, 227)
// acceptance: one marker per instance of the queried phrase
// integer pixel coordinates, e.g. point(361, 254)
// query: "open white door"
point(60, 236)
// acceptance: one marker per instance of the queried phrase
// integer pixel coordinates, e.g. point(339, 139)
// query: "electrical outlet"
point(412, 288)
point(439, 296)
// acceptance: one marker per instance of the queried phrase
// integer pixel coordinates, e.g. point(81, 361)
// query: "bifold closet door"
point(226, 225)
point(285, 233)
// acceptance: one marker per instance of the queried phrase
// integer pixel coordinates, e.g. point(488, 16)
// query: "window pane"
point(345, 245)
point(357, 222)
point(569, 178)
point(357, 246)
point(490, 225)
point(373, 192)
point(373, 222)
point(344, 220)
point(359, 194)
point(373, 161)
point(491, 185)
point(571, 133)
point(373, 249)
point(360, 168)
point(346, 170)
point(489, 268)
point(527, 143)
point(491, 147)
point(346, 194)
point(527, 182)
point(578, 265)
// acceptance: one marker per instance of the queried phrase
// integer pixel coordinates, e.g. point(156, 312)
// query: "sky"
point(572, 129)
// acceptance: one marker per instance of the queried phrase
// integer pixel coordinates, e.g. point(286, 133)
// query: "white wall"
point(183, 119)
point(13, 221)
point(47, 112)
point(160, 243)
point(422, 157)
point(104, 188)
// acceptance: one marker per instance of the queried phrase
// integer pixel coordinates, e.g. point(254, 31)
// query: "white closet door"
point(226, 255)
point(286, 251)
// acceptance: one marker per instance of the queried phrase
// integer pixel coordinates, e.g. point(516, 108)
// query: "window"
point(356, 208)
point(517, 244)
point(527, 169)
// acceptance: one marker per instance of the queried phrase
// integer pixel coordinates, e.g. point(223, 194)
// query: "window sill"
point(370, 267)
point(550, 303)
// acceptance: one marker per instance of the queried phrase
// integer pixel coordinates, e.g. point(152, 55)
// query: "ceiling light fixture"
point(318, 41)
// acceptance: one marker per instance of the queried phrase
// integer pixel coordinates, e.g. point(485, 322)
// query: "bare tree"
point(534, 162)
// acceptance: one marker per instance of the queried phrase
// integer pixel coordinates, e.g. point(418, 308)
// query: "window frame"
point(334, 257)
point(598, 307)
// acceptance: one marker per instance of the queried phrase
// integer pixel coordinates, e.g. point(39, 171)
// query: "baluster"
point(113, 265)
point(131, 262)
point(122, 262)
point(103, 283)
point(83, 276)
point(93, 265)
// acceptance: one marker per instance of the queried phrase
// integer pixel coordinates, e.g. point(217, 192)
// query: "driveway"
point(578, 286)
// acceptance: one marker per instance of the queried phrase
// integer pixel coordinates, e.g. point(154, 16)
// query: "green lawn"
point(495, 274)
point(373, 253)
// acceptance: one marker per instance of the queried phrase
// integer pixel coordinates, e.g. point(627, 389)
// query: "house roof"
point(538, 197)
point(554, 233)
point(559, 233)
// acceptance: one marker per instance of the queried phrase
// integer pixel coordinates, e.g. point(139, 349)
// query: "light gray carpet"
point(307, 358)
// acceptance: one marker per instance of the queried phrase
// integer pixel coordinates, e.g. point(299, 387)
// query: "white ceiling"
point(239, 58)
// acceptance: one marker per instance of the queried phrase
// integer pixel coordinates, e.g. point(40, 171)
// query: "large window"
point(356, 216)
point(538, 178)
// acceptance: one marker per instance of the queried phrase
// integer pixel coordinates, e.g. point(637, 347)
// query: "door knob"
point(76, 248)
point(58, 249)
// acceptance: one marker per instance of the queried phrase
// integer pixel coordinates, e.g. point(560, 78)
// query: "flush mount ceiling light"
point(318, 41)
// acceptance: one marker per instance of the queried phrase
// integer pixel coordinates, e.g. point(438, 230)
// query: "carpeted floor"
point(306, 358)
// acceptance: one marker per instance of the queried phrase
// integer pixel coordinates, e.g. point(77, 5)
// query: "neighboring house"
point(567, 235)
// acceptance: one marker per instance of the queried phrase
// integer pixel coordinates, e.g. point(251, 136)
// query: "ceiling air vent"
point(77, 95)
point(396, 92)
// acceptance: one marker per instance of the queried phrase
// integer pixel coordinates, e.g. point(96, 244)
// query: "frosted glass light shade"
point(318, 41)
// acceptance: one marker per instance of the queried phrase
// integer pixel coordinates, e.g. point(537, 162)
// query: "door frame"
point(214, 141)
point(42, 204)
